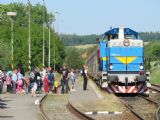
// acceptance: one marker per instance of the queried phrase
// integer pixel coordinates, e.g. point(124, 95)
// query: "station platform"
point(19, 107)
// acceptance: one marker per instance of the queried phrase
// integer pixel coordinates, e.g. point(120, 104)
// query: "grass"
point(155, 73)
point(155, 76)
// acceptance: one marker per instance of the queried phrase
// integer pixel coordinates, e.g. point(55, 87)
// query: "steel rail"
point(131, 109)
point(155, 85)
point(158, 114)
point(78, 113)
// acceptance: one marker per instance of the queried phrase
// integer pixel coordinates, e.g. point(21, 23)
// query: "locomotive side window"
point(111, 37)
point(130, 37)
point(114, 36)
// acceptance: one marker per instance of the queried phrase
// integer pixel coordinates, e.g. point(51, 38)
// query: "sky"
point(84, 17)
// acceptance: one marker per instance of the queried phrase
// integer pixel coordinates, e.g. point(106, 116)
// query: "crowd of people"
point(37, 80)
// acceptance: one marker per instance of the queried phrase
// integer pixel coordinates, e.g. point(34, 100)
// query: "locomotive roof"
point(127, 31)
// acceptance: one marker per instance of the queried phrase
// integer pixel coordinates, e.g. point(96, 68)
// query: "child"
point(19, 85)
point(46, 84)
point(8, 80)
point(56, 84)
point(27, 84)
point(72, 78)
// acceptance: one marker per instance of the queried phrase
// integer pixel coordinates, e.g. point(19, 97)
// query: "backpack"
point(32, 76)
point(72, 76)
point(51, 77)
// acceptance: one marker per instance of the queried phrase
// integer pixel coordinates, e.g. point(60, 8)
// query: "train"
point(118, 63)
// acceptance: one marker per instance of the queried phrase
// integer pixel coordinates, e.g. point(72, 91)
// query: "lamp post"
point(49, 43)
point(12, 14)
point(54, 52)
point(29, 34)
point(43, 61)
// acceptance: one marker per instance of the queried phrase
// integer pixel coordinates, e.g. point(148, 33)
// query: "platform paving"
point(19, 107)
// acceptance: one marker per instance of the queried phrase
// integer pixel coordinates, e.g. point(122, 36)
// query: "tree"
point(21, 36)
point(73, 58)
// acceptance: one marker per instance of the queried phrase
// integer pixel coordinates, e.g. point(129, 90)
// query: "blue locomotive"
point(120, 67)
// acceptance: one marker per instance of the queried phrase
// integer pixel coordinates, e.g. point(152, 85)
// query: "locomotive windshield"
point(114, 34)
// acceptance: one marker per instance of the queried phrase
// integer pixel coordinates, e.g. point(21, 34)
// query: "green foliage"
point(74, 58)
point(155, 76)
point(70, 40)
point(21, 36)
point(149, 36)
point(4, 56)
point(152, 50)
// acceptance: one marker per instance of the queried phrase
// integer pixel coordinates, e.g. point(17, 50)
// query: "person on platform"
point(19, 83)
point(2, 77)
point(64, 79)
point(14, 80)
point(72, 79)
point(9, 82)
point(46, 84)
point(51, 80)
point(85, 77)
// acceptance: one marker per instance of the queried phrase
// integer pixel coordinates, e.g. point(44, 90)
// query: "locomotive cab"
point(122, 61)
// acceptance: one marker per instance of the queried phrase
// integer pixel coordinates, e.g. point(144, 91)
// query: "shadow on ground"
point(6, 116)
point(3, 104)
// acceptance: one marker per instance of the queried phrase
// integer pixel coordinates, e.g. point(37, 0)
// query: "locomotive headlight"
point(141, 66)
point(110, 66)
point(126, 42)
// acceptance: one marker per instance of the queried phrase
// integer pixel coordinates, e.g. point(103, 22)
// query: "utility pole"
point(29, 34)
point(12, 40)
point(12, 14)
point(49, 42)
point(55, 43)
point(43, 63)
point(54, 53)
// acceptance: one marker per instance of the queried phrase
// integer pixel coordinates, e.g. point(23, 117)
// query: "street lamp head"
point(12, 13)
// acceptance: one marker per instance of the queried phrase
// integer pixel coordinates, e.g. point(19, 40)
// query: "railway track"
point(153, 101)
point(156, 97)
point(145, 108)
point(155, 87)
point(69, 108)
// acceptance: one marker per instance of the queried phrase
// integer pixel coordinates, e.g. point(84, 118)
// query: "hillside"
point(73, 39)
point(83, 46)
